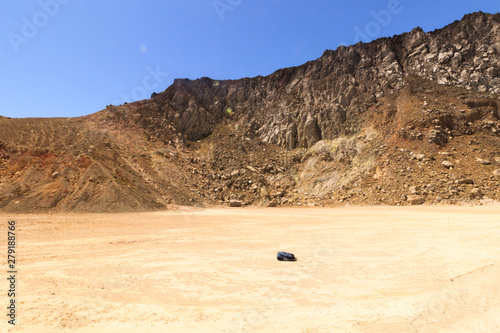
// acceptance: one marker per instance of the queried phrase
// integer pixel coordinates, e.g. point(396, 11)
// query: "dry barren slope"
point(66, 164)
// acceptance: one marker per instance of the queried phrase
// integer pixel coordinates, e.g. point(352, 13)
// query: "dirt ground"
point(411, 269)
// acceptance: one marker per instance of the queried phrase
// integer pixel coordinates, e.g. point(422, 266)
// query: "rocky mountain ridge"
point(402, 120)
point(298, 106)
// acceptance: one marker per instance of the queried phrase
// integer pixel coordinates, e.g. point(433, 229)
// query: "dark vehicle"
point(285, 256)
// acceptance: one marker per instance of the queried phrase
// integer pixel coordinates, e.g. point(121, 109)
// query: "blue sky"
point(64, 58)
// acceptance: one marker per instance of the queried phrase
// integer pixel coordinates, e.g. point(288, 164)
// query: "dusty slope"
point(365, 124)
point(66, 164)
point(99, 163)
point(359, 270)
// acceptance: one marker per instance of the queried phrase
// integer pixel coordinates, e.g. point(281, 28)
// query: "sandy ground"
point(424, 269)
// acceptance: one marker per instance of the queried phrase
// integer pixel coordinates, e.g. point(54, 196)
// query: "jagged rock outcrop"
point(296, 107)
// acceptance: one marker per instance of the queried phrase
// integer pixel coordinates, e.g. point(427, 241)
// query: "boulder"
point(251, 168)
point(483, 161)
point(415, 200)
point(438, 136)
point(235, 203)
point(476, 193)
point(447, 164)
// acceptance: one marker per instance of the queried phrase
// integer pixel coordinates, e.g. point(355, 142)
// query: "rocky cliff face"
point(325, 98)
point(404, 120)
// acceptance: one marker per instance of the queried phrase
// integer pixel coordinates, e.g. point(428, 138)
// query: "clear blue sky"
point(74, 57)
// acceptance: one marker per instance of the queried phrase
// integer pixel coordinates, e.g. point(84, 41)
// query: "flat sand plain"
point(381, 269)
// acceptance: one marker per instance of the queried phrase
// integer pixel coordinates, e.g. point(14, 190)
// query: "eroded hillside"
point(402, 120)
